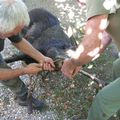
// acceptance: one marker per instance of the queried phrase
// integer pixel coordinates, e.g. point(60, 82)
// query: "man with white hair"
point(13, 17)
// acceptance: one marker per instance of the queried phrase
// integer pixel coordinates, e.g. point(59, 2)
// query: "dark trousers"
point(16, 85)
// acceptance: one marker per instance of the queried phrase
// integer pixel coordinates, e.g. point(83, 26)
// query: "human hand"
point(48, 64)
point(32, 68)
point(69, 69)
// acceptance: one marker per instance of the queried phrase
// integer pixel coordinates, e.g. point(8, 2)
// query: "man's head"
point(13, 17)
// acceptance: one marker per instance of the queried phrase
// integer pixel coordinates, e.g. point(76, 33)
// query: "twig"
point(100, 82)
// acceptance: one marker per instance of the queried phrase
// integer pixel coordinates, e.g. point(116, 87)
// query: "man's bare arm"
point(7, 73)
point(94, 42)
point(28, 49)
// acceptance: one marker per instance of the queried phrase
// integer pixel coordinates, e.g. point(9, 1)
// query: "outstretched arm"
point(93, 44)
point(28, 49)
point(7, 73)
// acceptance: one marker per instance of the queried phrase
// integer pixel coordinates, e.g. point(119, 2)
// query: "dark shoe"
point(36, 104)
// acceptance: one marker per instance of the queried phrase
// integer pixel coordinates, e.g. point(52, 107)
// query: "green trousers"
point(15, 85)
point(107, 101)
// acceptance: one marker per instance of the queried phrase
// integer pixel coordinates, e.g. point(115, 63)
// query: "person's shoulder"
point(96, 7)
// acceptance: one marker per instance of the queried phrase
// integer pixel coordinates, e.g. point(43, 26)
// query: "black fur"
point(46, 35)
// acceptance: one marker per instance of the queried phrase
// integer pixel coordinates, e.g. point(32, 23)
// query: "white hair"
point(12, 14)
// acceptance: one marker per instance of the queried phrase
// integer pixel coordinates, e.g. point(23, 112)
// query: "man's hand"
point(48, 64)
point(32, 68)
point(69, 69)
point(27, 48)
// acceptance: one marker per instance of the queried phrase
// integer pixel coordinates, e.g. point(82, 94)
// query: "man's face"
point(11, 33)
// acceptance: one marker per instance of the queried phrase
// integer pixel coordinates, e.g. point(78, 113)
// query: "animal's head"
point(59, 55)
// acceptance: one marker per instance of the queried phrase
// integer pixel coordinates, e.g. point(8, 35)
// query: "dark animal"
point(46, 35)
